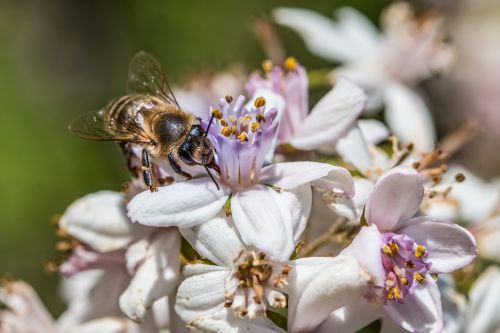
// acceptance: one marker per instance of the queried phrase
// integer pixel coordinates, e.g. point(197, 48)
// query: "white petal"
point(225, 322)
point(482, 314)
point(408, 117)
point(292, 174)
point(487, 234)
point(262, 223)
point(183, 204)
point(156, 277)
point(351, 318)
point(216, 240)
point(374, 131)
point(354, 149)
point(318, 286)
point(100, 221)
point(201, 295)
point(454, 304)
point(352, 208)
point(331, 118)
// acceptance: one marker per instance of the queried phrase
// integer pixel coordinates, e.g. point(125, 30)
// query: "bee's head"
point(197, 149)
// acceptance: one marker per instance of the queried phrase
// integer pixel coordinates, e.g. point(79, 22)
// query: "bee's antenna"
point(209, 124)
point(213, 179)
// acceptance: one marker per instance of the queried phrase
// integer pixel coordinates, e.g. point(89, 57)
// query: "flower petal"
point(216, 240)
point(421, 312)
point(155, 277)
point(224, 321)
point(351, 318)
point(396, 197)
point(487, 234)
point(201, 295)
point(373, 131)
point(99, 220)
point(450, 247)
point(261, 221)
point(482, 315)
point(408, 116)
point(183, 204)
point(353, 148)
point(292, 174)
point(352, 208)
point(318, 286)
point(365, 247)
point(331, 118)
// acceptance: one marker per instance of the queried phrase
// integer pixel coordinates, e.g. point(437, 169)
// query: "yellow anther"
point(233, 119)
point(234, 130)
point(260, 117)
point(259, 102)
point(391, 249)
point(243, 137)
point(290, 64)
point(228, 98)
point(404, 281)
point(419, 277)
point(394, 293)
point(420, 251)
point(217, 113)
point(223, 122)
point(267, 65)
point(226, 131)
point(254, 127)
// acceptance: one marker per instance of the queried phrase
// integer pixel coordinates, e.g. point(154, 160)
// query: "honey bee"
point(149, 116)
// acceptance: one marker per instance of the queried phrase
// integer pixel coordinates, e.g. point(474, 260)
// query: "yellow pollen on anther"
point(234, 130)
point(243, 137)
point(259, 102)
point(233, 119)
point(260, 117)
point(404, 281)
point(394, 293)
point(254, 127)
point(223, 122)
point(391, 249)
point(226, 131)
point(217, 113)
point(387, 250)
point(419, 277)
point(420, 251)
point(290, 64)
point(267, 65)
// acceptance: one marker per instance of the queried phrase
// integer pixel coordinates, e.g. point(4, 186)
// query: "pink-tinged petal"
point(225, 321)
point(352, 208)
point(331, 118)
point(318, 286)
point(395, 198)
point(366, 248)
point(22, 310)
point(100, 221)
point(450, 247)
point(482, 313)
point(351, 318)
point(292, 174)
point(408, 116)
point(155, 277)
point(201, 295)
point(216, 240)
point(183, 204)
point(262, 222)
point(421, 312)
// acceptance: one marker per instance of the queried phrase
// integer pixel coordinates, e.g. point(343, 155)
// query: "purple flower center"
point(404, 265)
point(242, 136)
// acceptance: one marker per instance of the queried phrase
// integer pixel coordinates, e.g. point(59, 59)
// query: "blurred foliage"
point(61, 58)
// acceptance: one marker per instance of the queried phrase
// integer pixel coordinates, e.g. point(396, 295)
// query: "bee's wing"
point(95, 126)
point(146, 76)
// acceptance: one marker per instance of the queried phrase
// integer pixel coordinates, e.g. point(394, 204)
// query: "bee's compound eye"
point(185, 153)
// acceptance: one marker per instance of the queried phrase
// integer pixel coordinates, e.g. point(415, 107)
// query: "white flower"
point(267, 203)
point(386, 65)
point(244, 283)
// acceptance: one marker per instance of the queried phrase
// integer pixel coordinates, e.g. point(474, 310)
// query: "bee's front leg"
point(177, 168)
point(147, 171)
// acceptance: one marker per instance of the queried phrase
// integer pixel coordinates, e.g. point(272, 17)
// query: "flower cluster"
point(312, 220)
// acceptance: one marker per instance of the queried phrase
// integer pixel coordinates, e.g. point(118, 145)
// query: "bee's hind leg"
point(177, 167)
point(147, 172)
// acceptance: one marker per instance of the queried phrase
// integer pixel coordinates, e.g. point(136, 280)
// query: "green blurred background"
point(60, 58)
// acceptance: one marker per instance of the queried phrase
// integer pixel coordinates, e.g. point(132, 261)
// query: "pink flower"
point(401, 255)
